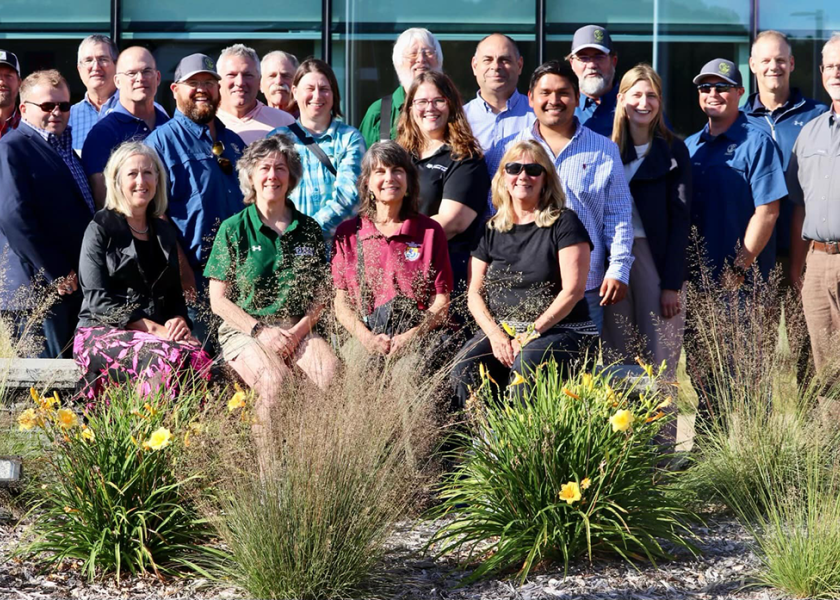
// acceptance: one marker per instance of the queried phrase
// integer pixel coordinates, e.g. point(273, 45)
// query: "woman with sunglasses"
point(454, 183)
point(527, 276)
point(658, 168)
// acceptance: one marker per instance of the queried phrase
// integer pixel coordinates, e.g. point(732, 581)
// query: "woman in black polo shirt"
point(454, 183)
point(528, 275)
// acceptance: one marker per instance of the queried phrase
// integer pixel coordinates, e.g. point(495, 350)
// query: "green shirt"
point(370, 124)
point(270, 274)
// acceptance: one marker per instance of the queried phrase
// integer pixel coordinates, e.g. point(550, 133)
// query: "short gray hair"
point(259, 150)
point(240, 50)
point(834, 39)
point(114, 198)
point(279, 54)
point(410, 35)
point(98, 38)
point(771, 33)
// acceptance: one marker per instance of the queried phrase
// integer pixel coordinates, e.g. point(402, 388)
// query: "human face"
point(9, 86)
point(831, 71)
point(595, 71)
point(138, 182)
point(276, 83)
point(54, 121)
point(434, 116)
point(497, 66)
point(772, 64)
point(418, 58)
point(388, 184)
point(198, 97)
point(554, 101)
point(719, 105)
point(137, 76)
point(240, 83)
point(97, 68)
point(270, 179)
point(314, 97)
point(641, 103)
point(525, 188)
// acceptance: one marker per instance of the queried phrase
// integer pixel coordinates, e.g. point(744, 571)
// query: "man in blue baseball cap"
point(593, 60)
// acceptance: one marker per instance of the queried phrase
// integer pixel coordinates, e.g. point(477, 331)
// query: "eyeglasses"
point(423, 104)
point(48, 107)
point(589, 58)
point(531, 169)
point(722, 88)
point(829, 69)
point(204, 83)
point(425, 53)
point(102, 61)
point(144, 74)
point(225, 164)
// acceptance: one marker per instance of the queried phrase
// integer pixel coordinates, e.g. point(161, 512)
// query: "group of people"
point(562, 216)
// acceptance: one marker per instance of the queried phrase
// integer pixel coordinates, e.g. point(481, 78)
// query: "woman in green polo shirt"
point(268, 276)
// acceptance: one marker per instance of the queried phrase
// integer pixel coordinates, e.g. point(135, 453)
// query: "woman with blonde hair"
point(527, 276)
point(658, 169)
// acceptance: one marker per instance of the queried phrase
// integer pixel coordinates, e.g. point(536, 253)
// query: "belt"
point(827, 247)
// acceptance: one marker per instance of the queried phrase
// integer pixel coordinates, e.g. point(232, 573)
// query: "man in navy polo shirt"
point(738, 177)
point(593, 61)
point(134, 117)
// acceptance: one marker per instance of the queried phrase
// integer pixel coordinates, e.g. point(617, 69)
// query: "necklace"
point(137, 231)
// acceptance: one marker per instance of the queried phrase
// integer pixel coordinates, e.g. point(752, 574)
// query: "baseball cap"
point(194, 64)
point(7, 58)
point(720, 67)
point(592, 36)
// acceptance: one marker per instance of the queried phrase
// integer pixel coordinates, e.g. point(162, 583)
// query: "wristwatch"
point(255, 330)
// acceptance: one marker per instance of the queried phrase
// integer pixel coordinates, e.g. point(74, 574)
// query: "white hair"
point(243, 51)
point(280, 55)
point(98, 38)
point(834, 39)
point(408, 37)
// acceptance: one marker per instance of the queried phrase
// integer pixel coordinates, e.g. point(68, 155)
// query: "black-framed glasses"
point(531, 169)
point(423, 103)
point(722, 88)
point(48, 107)
point(225, 164)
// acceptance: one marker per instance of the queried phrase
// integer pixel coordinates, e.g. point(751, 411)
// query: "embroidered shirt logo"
point(730, 150)
point(412, 252)
point(304, 251)
point(257, 248)
point(799, 123)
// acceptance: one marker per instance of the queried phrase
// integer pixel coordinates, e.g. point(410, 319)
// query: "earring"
point(371, 197)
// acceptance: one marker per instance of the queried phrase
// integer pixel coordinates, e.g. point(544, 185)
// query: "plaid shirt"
point(10, 124)
point(63, 147)
point(83, 116)
point(593, 178)
point(326, 198)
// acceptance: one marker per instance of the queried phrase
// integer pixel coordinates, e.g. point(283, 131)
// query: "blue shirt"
point(201, 194)
point(598, 116)
point(83, 116)
point(733, 173)
point(494, 131)
point(112, 130)
point(593, 179)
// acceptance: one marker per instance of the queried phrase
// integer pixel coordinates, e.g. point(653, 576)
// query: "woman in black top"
point(454, 183)
point(527, 275)
point(133, 323)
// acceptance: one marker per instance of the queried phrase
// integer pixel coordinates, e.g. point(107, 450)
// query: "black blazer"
point(117, 291)
point(661, 190)
point(43, 214)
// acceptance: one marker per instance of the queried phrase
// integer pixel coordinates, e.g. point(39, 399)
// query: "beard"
point(594, 85)
point(201, 114)
point(7, 98)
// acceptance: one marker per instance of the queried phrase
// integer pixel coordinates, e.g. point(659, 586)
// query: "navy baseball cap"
point(720, 67)
point(592, 36)
point(193, 65)
point(8, 58)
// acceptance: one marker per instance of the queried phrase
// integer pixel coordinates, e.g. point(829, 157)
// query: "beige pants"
point(821, 302)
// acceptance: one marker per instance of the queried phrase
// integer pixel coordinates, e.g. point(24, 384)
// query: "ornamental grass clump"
point(561, 469)
point(111, 497)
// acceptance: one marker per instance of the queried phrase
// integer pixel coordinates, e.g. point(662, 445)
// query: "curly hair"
point(260, 150)
point(388, 154)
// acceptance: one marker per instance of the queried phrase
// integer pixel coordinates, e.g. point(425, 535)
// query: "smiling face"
point(198, 97)
point(497, 66)
point(9, 86)
point(240, 83)
point(525, 188)
point(720, 105)
point(314, 97)
point(138, 77)
point(270, 179)
point(772, 64)
point(554, 101)
point(388, 184)
point(595, 71)
point(430, 111)
point(641, 103)
point(54, 121)
point(97, 68)
point(831, 70)
point(418, 58)
point(138, 182)
point(276, 83)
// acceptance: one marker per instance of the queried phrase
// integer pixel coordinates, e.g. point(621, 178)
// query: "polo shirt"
point(493, 131)
point(598, 116)
point(116, 127)
point(784, 125)
point(370, 123)
point(256, 123)
point(201, 194)
point(270, 274)
point(733, 173)
point(413, 263)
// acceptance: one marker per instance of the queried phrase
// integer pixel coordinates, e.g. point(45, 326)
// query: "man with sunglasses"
point(45, 202)
point(199, 154)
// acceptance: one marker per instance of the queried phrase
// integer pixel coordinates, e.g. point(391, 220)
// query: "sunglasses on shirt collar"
point(531, 169)
point(224, 163)
point(48, 107)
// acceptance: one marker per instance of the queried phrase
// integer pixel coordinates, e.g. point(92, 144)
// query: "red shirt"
point(10, 123)
point(413, 263)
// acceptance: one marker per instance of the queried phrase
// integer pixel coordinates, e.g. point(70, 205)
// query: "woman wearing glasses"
point(454, 183)
point(527, 276)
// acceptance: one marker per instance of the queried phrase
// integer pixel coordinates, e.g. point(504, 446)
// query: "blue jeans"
point(596, 311)
point(59, 326)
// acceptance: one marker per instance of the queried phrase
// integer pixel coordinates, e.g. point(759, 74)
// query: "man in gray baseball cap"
point(593, 60)
point(9, 86)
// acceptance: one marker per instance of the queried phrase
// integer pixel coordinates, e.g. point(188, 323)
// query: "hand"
point(612, 292)
point(188, 285)
point(502, 348)
point(376, 344)
point(516, 346)
point(277, 340)
point(177, 329)
point(67, 285)
point(669, 300)
point(401, 341)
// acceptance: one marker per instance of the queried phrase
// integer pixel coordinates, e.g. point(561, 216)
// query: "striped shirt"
point(326, 198)
point(593, 178)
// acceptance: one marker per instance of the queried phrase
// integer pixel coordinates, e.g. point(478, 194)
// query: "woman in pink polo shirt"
point(390, 264)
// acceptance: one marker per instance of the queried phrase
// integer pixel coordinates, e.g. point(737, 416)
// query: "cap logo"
point(723, 68)
point(598, 35)
point(208, 63)
point(3, 55)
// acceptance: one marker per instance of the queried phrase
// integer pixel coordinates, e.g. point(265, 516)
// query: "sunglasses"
point(224, 163)
point(531, 169)
point(706, 88)
point(48, 107)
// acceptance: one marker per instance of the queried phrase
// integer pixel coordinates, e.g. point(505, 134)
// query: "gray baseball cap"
point(592, 36)
point(720, 67)
point(8, 58)
point(194, 64)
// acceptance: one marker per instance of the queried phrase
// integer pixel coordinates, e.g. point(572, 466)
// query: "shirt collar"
point(734, 133)
point(328, 132)
point(608, 99)
point(11, 123)
point(793, 99)
point(199, 130)
point(535, 131)
point(249, 116)
point(253, 216)
point(511, 103)
point(62, 142)
point(409, 228)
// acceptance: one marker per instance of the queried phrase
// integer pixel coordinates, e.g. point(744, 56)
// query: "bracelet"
point(257, 328)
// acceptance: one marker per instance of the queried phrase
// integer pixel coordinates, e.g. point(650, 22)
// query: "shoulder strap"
point(364, 294)
point(313, 147)
point(385, 118)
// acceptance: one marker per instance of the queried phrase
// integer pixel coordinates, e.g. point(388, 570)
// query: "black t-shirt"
point(465, 181)
point(150, 257)
point(523, 276)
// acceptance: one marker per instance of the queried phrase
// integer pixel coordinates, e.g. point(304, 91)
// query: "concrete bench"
point(18, 374)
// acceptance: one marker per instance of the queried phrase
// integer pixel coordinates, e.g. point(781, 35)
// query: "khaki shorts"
point(233, 342)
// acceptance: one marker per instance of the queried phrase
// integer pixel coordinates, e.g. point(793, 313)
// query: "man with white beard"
point(593, 61)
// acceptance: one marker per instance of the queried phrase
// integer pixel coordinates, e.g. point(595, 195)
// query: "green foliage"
point(564, 468)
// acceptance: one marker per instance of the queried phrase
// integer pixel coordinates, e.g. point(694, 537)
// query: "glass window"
point(437, 15)
point(88, 16)
point(687, 15)
point(38, 54)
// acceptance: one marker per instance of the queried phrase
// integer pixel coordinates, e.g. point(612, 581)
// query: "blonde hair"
point(552, 197)
point(621, 125)
point(49, 77)
point(114, 198)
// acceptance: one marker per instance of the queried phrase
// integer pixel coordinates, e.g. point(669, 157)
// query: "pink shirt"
point(257, 123)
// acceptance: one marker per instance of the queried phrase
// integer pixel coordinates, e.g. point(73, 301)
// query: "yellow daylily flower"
point(508, 329)
point(66, 418)
point(29, 419)
point(87, 434)
point(622, 420)
point(570, 492)
point(236, 401)
point(588, 381)
point(150, 409)
point(665, 403)
point(571, 394)
point(584, 485)
point(517, 379)
point(36, 397)
point(647, 368)
point(158, 440)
